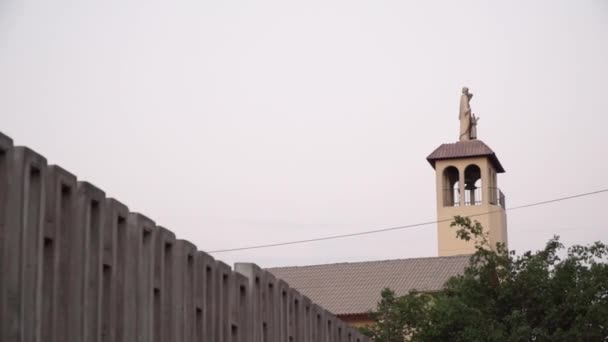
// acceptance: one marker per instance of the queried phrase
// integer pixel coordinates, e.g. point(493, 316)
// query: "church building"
point(467, 185)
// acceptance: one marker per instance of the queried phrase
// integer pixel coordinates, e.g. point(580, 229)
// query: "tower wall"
point(491, 215)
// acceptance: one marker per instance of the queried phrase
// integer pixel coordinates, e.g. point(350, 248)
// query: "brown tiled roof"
point(353, 288)
point(463, 149)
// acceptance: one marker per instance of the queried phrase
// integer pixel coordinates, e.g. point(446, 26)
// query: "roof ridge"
point(372, 261)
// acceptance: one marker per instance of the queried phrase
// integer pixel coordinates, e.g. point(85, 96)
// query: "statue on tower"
point(468, 121)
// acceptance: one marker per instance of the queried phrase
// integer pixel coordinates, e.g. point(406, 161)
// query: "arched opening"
point(451, 187)
point(472, 185)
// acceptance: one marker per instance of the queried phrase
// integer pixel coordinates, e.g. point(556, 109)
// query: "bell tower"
point(466, 180)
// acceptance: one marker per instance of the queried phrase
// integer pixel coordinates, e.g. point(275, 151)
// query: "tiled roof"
point(463, 149)
point(354, 288)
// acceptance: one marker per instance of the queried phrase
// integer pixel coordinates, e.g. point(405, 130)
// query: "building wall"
point(491, 216)
point(357, 320)
point(78, 266)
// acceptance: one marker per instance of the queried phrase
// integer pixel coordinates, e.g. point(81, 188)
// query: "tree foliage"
point(549, 295)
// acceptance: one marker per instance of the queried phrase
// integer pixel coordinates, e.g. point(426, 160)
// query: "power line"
point(333, 237)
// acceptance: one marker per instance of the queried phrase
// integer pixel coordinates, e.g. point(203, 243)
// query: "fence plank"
point(75, 266)
point(6, 147)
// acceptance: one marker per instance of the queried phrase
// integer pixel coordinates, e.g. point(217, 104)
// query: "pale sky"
point(237, 123)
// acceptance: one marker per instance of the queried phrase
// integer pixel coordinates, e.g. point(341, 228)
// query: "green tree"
point(549, 295)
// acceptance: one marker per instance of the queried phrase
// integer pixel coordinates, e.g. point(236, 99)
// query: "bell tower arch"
point(451, 187)
point(466, 181)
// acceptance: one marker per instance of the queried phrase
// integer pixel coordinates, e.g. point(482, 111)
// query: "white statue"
point(468, 121)
point(473, 133)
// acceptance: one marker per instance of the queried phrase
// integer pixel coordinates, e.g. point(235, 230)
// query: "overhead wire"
point(420, 224)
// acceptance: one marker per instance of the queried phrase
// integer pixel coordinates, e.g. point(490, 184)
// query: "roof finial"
point(468, 121)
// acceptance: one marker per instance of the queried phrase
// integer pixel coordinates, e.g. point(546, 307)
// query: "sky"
point(240, 123)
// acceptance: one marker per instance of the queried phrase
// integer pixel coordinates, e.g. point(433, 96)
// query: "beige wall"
point(491, 216)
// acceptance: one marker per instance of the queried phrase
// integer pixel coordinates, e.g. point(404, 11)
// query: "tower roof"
point(464, 149)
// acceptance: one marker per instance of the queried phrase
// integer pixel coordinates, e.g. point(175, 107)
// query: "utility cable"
point(333, 237)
